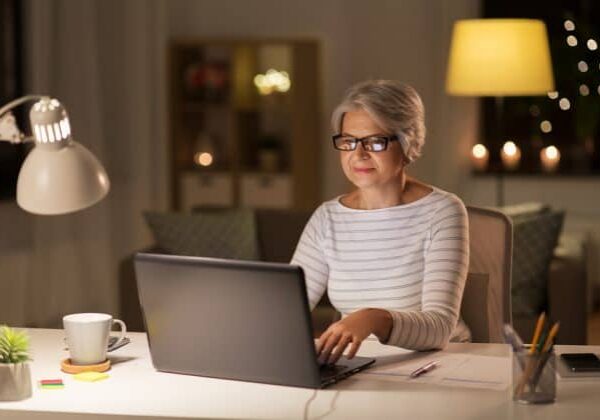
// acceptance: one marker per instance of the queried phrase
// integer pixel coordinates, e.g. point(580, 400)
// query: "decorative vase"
point(15, 381)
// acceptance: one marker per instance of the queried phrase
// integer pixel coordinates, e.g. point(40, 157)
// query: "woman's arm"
point(446, 265)
point(309, 255)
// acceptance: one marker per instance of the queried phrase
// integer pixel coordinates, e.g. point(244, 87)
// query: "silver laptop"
point(232, 319)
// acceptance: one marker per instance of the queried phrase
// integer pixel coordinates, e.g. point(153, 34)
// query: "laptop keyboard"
point(327, 370)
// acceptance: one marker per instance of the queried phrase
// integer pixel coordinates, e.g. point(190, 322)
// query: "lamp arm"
point(19, 101)
point(8, 126)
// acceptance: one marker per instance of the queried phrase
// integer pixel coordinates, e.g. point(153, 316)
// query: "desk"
point(136, 389)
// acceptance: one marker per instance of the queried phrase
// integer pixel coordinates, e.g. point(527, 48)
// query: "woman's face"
point(369, 169)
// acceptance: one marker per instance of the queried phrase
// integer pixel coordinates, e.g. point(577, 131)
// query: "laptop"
point(232, 319)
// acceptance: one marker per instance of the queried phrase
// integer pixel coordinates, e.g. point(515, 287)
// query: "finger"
point(339, 349)
point(321, 341)
point(332, 340)
point(354, 348)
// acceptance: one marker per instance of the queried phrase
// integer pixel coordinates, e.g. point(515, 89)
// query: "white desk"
point(136, 389)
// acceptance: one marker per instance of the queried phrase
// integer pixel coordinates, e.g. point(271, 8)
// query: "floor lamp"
point(499, 58)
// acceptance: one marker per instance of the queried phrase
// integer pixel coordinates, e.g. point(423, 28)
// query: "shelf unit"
point(264, 148)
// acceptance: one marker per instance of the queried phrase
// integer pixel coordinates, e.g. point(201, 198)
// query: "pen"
point(424, 369)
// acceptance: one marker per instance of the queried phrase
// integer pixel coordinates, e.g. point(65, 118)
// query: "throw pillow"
point(221, 234)
point(534, 238)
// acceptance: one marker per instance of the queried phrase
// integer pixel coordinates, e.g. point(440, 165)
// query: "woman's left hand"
point(351, 331)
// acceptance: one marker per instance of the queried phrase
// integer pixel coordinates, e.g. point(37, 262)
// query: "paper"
point(453, 369)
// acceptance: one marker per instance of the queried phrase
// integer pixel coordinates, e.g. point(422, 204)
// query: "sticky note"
point(90, 376)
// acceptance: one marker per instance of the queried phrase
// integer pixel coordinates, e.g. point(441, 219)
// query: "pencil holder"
point(534, 377)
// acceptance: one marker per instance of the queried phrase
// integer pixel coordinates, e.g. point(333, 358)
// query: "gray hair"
point(394, 106)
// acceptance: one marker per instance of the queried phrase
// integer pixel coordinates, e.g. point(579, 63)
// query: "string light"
point(592, 44)
point(571, 41)
point(582, 66)
point(584, 90)
point(272, 81)
point(569, 25)
point(564, 104)
point(546, 126)
point(553, 95)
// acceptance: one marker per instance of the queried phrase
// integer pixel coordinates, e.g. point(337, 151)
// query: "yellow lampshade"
point(499, 57)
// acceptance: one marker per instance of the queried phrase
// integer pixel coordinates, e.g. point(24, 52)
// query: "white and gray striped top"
point(410, 260)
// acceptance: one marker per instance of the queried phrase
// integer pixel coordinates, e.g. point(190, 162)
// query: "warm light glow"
point(584, 90)
point(550, 157)
point(499, 57)
point(553, 94)
point(479, 151)
point(509, 148)
point(564, 104)
point(546, 126)
point(582, 66)
point(203, 158)
point(479, 157)
point(272, 81)
point(571, 41)
point(569, 25)
point(592, 44)
point(510, 155)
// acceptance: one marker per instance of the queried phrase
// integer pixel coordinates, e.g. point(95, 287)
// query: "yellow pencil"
point(537, 332)
point(551, 335)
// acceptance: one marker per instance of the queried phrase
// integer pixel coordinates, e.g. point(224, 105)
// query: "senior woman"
point(393, 253)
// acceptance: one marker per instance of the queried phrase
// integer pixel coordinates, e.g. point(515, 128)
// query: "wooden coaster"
point(68, 367)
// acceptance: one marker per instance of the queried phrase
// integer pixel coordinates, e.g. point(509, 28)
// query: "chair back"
point(486, 300)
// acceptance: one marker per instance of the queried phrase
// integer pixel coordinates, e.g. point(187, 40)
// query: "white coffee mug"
point(87, 336)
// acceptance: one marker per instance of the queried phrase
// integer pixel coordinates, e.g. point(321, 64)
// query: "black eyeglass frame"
point(361, 141)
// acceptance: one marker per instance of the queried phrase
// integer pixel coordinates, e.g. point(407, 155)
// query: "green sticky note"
point(90, 376)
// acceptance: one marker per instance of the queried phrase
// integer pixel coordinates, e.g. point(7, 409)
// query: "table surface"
point(135, 388)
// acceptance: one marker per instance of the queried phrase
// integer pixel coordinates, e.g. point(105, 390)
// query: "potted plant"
point(15, 377)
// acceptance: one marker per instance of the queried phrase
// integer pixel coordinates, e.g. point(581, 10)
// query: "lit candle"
point(480, 157)
point(510, 155)
point(550, 157)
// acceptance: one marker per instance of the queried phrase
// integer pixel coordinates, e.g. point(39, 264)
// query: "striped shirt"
point(410, 260)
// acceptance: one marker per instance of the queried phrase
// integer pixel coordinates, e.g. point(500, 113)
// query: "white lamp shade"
point(60, 180)
point(499, 57)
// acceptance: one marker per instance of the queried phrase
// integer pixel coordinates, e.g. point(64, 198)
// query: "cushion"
point(535, 236)
point(221, 234)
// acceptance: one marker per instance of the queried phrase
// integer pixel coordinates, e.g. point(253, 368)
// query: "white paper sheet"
point(453, 369)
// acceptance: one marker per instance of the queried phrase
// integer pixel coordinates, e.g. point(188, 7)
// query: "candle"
point(480, 157)
point(510, 155)
point(550, 158)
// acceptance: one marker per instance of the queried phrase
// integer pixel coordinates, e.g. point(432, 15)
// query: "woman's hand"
point(351, 331)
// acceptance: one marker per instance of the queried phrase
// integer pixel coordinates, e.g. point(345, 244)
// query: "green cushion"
point(535, 237)
point(222, 234)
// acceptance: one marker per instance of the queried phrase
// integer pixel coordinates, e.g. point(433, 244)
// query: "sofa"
point(272, 234)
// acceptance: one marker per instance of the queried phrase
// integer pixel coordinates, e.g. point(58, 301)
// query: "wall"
point(405, 40)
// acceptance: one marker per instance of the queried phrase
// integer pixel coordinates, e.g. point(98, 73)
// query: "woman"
point(392, 254)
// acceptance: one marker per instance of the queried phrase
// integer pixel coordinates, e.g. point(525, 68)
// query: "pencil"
point(537, 332)
point(550, 338)
point(531, 363)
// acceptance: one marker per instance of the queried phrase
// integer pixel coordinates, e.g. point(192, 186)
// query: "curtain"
point(104, 60)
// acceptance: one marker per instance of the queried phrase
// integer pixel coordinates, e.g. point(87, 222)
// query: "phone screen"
point(582, 362)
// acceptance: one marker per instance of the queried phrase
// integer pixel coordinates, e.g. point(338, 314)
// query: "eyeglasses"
point(369, 143)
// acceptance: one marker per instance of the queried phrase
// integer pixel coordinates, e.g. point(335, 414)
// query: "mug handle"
point(121, 336)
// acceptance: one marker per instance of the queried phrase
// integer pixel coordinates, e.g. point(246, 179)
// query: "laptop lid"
point(227, 319)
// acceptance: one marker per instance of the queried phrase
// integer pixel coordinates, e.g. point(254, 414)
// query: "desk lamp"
point(58, 175)
point(499, 57)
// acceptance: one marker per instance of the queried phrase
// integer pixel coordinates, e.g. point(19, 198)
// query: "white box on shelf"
point(266, 190)
point(209, 189)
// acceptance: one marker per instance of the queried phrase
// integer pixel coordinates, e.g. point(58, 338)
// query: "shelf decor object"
point(59, 175)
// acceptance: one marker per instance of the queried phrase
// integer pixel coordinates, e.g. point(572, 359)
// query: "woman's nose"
point(361, 152)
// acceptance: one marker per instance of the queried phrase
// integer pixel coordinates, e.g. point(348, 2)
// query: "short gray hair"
point(394, 106)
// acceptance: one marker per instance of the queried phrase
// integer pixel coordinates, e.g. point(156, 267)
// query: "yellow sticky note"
point(90, 376)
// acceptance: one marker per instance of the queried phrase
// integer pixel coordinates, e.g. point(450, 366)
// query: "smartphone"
point(581, 362)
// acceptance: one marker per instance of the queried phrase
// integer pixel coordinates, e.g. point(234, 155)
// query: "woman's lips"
point(363, 170)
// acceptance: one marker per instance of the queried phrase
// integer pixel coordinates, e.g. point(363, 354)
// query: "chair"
point(486, 300)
